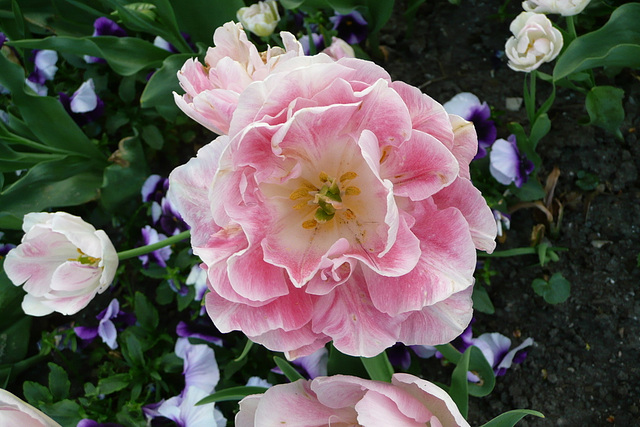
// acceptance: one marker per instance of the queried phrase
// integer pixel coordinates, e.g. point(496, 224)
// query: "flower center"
point(85, 259)
point(328, 199)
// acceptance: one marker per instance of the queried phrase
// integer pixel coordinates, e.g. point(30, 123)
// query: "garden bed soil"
point(583, 368)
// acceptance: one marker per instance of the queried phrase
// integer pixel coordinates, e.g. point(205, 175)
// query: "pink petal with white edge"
point(349, 317)
point(465, 143)
point(289, 312)
point(297, 343)
point(295, 404)
point(445, 267)
point(419, 167)
point(74, 278)
point(35, 260)
point(189, 188)
point(376, 409)
point(35, 306)
point(427, 115)
point(439, 323)
point(432, 397)
point(463, 196)
point(253, 278)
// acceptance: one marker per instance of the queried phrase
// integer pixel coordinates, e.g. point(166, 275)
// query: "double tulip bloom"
point(534, 42)
point(336, 205)
point(62, 261)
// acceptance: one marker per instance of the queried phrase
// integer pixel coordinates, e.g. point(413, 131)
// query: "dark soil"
point(584, 367)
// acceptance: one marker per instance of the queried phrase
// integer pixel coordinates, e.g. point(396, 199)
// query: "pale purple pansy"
point(503, 221)
point(258, 382)
point(159, 256)
point(44, 70)
point(198, 329)
point(86, 422)
point(469, 107)
point(84, 106)
point(507, 164)
point(200, 366)
point(198, 279)
point(318, 43)
point(352, 27)
point(107, 329)
point(154, 190)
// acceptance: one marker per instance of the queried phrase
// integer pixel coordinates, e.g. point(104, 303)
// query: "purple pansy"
point(503, 221)
point(469, 107)
point(165, 45)
point(318, 42)
point(163, 213)
point(201, 377)
point(258, 382)
point(159, 256)
point(198, 278)
point(507, 164)
point(351, 28)
point(107, 329)
point(5, 247)
point(104, 27)
point(44, 69)
point(399, 356)
point(199, 329)
point(84, 106)
point(91, 423)
point(494, 346)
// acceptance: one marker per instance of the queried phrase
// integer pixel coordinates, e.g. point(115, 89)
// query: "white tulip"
point(563, 7)
point(534, 42)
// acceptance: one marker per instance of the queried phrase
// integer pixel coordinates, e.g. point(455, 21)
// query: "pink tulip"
point(339, 207)
point(62, 261)
point(15, 412)
point(346, 400)
point(212, 90)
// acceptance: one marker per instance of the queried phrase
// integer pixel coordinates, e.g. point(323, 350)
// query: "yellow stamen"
point(299, 193)
point(348, 214)
point(310, 223)
point(323, 177)
point(348, 176)
point(352, 191)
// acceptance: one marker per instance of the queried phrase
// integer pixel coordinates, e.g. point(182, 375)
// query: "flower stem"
point(571, 28)
point(378, 367)
point(154, 246)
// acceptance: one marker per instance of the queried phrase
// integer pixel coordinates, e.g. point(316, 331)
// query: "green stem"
point(571, 29)
point(135, 252)
point(378, 367)
point(531, 109)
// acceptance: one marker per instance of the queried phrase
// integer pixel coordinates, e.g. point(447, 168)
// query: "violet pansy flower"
point(318, 43)
point(200, 366)
point(159, 256)
point(154, 190)
point(86, 422)
point(44, 69)
point(201, 330)
point(503, 220)
point(351, 28)
point(107, 329)
point(469, 107)
point(507, 164)
point(84, 106)
point(104, 27)
point(258, 382)
point(198, 278)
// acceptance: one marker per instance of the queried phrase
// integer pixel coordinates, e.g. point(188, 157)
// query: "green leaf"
point(153, 137)
point(146, 313)
point(65, 412)
point(511, 418)
point(554, 291)
point(59, 383)
point(616, 44)
point(200, 18)
point(459, 390)
point(288, 370)
point(378, 367)
point(10, 306)
point(158, 91)
point(45, 116)
point(233, 393)
point(480, 367)
point(245, 352)
point(530, 190)
point(36, 393)
point(125, 55)
point(481, 300)
point(539, 129)
point(70, 181)
point(19, 19)
point(123, 179)
point(14, 340)
point(340, 363)
point(132, 349)
point(113, 383)
point(604, 105)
